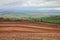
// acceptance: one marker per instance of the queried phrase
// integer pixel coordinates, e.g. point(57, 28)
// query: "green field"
point(51, 19)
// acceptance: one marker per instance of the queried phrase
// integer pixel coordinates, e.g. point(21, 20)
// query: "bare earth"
point(29, 31)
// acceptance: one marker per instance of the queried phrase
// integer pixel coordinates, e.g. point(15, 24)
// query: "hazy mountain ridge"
point(28, 13)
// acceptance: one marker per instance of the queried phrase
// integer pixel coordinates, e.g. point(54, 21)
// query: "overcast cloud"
point(44, 4)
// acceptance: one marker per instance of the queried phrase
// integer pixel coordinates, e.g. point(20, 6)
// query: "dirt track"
point(29, 31)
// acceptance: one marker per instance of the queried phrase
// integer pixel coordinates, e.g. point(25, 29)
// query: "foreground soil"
point(29, 31)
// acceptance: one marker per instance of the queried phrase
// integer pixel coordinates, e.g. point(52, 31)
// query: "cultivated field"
point(29, 31)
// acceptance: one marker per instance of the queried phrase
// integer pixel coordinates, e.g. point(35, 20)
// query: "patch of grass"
point(52, 19)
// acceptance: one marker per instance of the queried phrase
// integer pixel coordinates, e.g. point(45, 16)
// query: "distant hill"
point(27, 14)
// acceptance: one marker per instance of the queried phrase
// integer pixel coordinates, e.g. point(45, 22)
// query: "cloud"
point(30, 3)
point(49, 9)
point(5, 1)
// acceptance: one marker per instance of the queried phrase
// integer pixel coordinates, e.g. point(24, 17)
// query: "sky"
point(30, 4)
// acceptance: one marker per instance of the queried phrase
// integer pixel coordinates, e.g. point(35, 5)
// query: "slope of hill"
point(51, 19)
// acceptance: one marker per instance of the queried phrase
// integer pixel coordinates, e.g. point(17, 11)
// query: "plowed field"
point(29, 31)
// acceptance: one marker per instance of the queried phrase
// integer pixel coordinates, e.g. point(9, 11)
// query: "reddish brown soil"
point(29, 26)
point(29, 31)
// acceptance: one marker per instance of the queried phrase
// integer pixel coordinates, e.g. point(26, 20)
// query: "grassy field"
point(52, 19)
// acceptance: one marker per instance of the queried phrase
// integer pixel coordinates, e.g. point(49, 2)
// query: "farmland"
point(29, 31)
point(46, 28)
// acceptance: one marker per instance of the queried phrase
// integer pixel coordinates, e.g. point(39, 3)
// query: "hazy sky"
point(34, 4)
